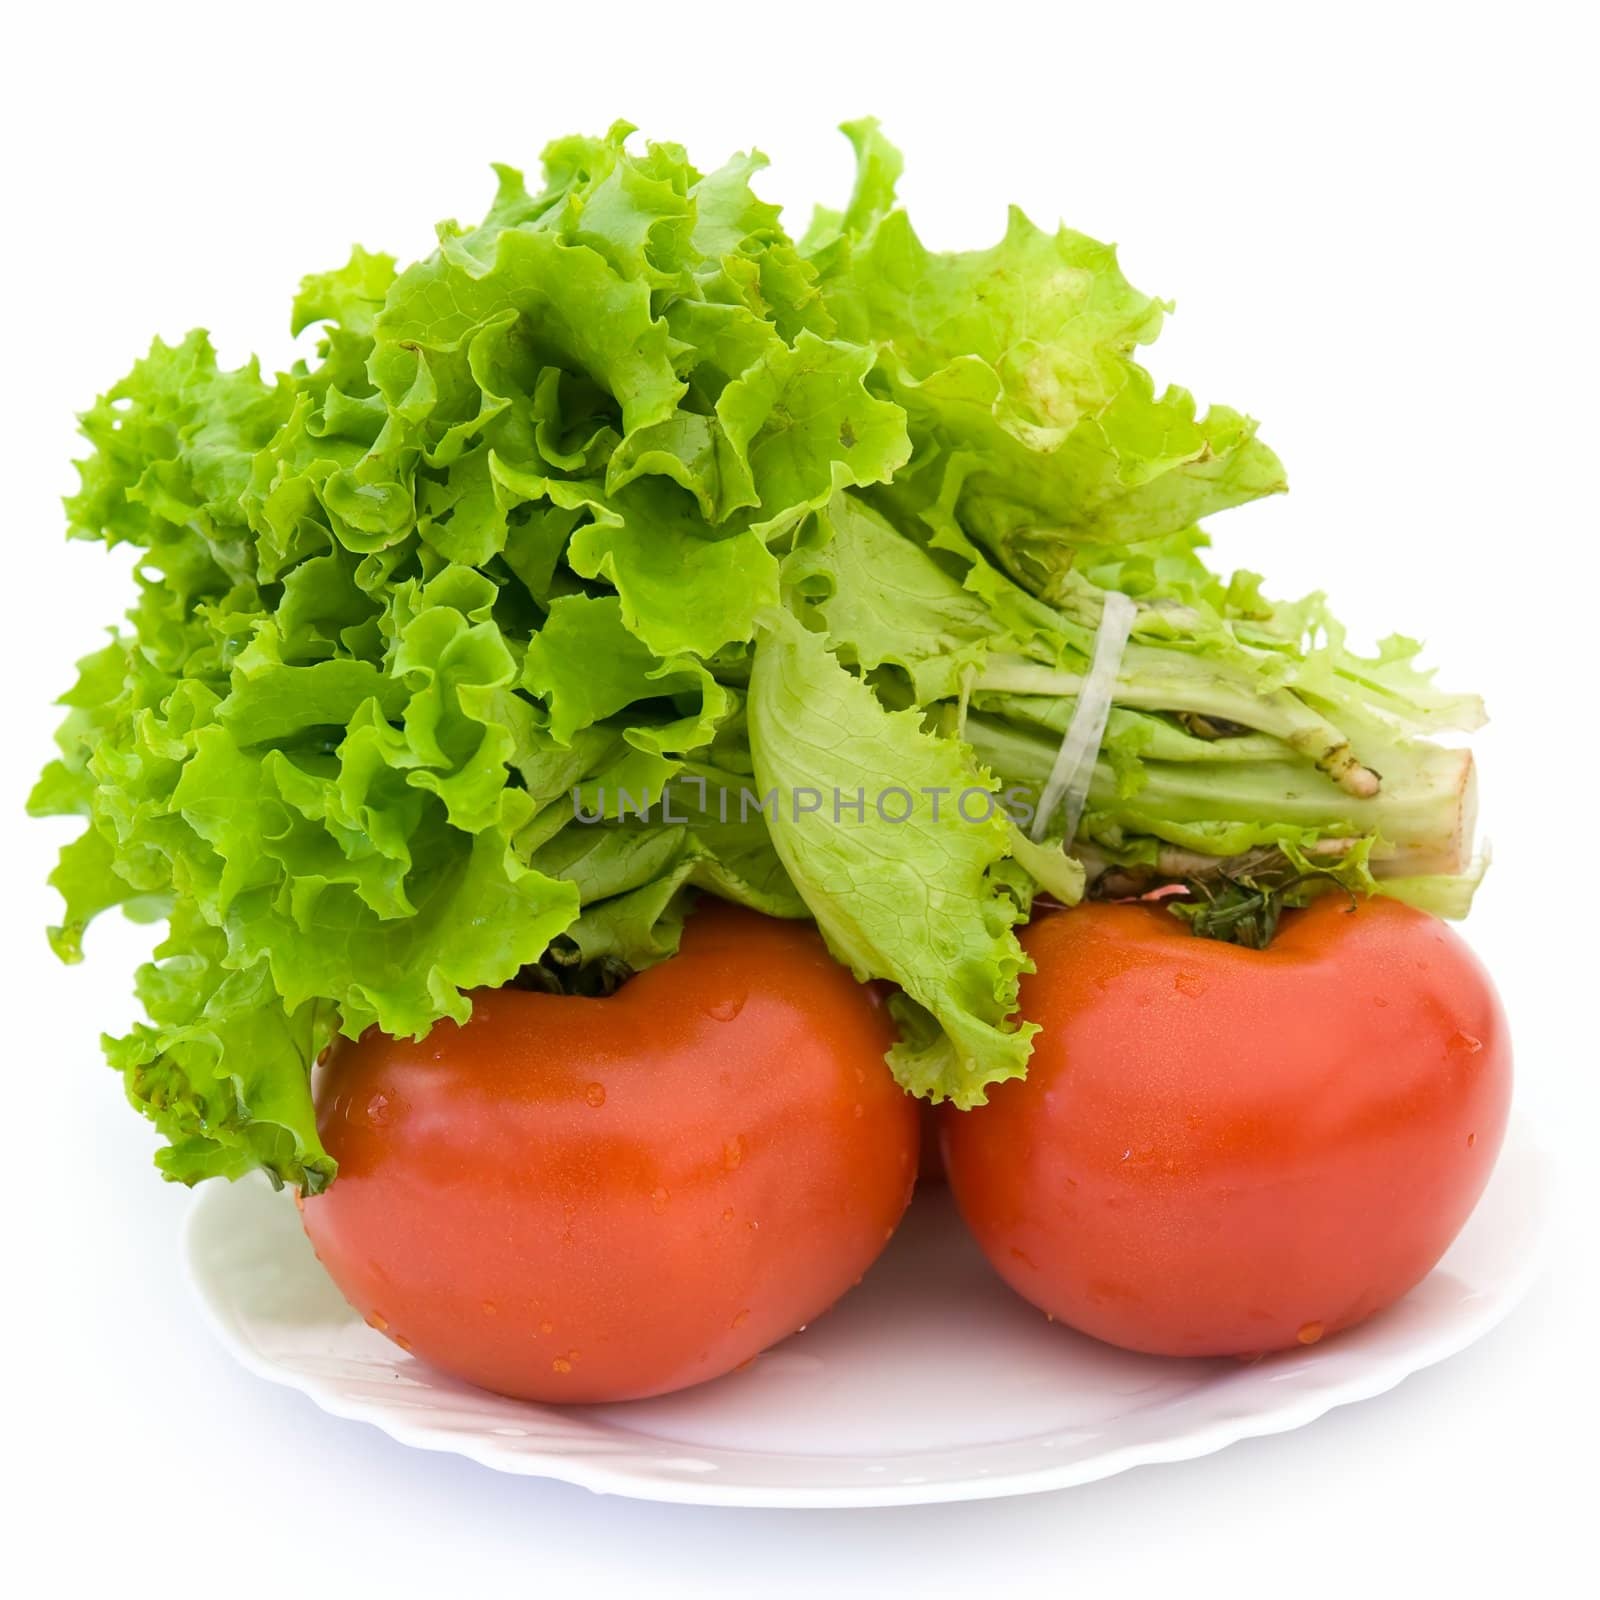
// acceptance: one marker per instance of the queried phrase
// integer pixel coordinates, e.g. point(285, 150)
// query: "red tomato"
point(599, 1199)
point(1223, 1151)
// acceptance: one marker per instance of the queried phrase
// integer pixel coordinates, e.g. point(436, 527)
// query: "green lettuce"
point(546, 591)
point(902, 809)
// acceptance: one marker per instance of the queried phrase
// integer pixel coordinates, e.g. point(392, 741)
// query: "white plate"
point(932, 1381)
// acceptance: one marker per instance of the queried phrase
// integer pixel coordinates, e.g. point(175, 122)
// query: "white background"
point(1378, 224)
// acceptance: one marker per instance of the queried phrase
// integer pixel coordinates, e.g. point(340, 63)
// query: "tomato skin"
point(1221, 1151)
point(576, 1199)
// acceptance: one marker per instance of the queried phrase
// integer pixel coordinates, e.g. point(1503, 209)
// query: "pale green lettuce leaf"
point(912, 901)
point(1014, 367)
point(804, 423)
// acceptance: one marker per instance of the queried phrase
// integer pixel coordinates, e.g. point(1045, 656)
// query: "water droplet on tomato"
point(1465, 1041)
point(658, 1201)
point(376, 1319)
point(547, 1326)
point(727, 1214)
point(561, 1364)
point(733, 1153)
point(860, 1110)
point(1309, 1333)
point(1472, 1139)
point(595, 1094)
point(725, 1009)
point(489, 1308)
point(404, 1343)
point(740, 1320)
point(378, 1110)
point(1187, 983)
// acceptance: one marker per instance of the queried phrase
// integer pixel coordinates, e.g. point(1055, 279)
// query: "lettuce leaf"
point(1028, 416)
point(894, 857)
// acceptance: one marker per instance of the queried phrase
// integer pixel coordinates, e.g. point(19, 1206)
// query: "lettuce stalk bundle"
point(626, 548)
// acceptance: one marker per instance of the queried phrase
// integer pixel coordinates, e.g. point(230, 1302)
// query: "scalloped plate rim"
point(639, 1478)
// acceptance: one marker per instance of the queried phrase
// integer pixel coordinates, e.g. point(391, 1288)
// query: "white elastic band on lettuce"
point(1074, 764)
